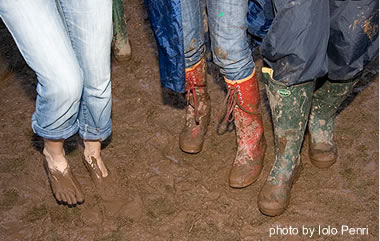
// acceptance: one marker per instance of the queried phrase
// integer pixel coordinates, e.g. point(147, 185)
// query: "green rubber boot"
point(290, 108)
point(121, 46)
point(326, 100)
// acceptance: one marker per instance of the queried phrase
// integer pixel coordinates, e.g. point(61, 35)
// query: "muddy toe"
point(64, 185)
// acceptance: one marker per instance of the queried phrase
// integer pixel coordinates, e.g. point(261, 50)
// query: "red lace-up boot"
point(198, 109)
point(243, 105)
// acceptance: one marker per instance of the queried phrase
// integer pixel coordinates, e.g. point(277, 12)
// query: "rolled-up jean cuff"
point(241, 80)
point(87, 132)
point(241, 75)
point(55, 134)
point(190, 62)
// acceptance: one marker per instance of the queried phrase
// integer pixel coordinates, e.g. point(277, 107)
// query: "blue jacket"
point(165, 17)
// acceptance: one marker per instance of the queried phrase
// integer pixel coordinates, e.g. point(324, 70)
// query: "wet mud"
point(165, 194)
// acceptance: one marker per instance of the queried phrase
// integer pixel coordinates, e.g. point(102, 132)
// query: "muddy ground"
point(167, 194)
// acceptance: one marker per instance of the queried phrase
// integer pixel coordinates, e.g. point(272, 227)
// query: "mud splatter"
point(353, 26)
point(282, 144)
point(370, 29)
point(192, 46)
point(191, 212)
point(220, 53)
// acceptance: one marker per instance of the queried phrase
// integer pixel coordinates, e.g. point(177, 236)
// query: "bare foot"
point(64, 185)
point(103, 184)
point(92, 152)
point(108, 188)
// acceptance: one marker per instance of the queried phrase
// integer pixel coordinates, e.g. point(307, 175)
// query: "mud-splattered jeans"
point(227, 24)
point(68, 46)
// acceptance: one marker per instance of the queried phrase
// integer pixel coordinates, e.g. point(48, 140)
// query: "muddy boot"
point(198, 109)
point(121, 46)
point(326, 100)
point(290, 107)
point(243, 105)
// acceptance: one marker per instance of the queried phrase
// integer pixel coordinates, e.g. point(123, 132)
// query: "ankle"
point(55, 161)
point(55, 154)
point(92, 150)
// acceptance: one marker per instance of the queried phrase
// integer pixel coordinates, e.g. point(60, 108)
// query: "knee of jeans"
point(69, 87)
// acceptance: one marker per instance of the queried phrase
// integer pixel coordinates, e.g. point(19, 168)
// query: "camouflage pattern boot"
point(198, 109)
point(326, 101)
point(243, 101)
point(290, 107)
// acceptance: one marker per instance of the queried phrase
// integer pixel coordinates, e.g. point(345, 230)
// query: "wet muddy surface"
point(165, 194)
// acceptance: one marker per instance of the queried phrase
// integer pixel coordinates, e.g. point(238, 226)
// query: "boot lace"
point(233, 98)
point(191, 90)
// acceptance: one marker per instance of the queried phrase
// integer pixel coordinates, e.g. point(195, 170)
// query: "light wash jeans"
point(227, 24)
point(68, 45)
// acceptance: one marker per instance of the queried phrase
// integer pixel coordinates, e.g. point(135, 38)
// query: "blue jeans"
point(227, 24)
point(68, 45)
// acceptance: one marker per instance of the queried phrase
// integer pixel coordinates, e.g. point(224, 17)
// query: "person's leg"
point(353, 40)
point(121, 46)
point(290, 107)
point(295, 47)
point(198, 109)
point(65, 186)
point(326, 101)
point(42, 40)
point(296, 43)
point(228, 31)
point(89, 24)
